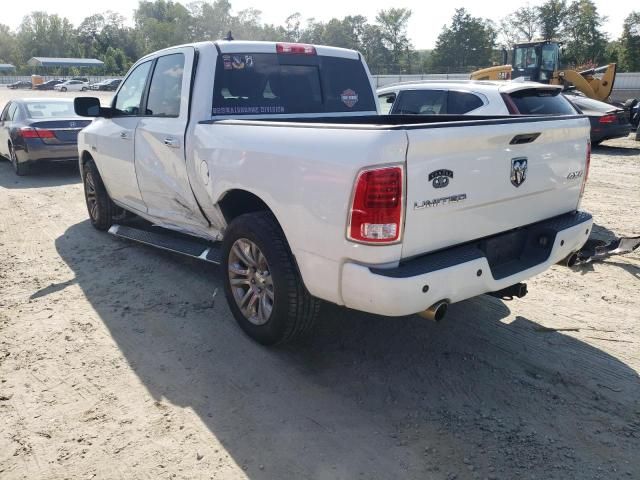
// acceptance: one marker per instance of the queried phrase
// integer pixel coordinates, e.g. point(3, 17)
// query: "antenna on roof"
point(229, 37)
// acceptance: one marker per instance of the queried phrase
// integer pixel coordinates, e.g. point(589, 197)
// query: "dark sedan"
point(19, 84)
point(106, 85)
point(48, 85)
point(39, 130)
point(607, 121)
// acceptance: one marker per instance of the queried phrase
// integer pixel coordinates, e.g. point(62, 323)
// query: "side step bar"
point(172, 242)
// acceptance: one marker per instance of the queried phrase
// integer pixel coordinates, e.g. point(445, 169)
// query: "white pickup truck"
point(271, 160)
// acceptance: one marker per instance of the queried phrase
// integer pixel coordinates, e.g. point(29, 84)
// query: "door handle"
point(124, 135)
point(171, 142)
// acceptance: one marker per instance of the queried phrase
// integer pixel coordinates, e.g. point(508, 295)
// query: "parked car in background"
point(48, 85)
point(72, 86)
point(81, 79)
point(473, 97)
point(109, 85)
point(39, 130)
point(19, 84)
point(112, 85)
point(607, 121)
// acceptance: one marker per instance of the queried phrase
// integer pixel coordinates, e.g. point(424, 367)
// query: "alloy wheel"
point(251, 281)
point(90, 193)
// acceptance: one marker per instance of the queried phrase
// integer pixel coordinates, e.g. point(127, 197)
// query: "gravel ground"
point(116, 361)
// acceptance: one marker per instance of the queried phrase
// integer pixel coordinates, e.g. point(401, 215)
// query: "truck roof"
point(245, 46)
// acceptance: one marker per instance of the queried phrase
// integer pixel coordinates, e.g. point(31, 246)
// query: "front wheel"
point(63, 89)
point(261, 281)
point(101, 208)
point(84, 89)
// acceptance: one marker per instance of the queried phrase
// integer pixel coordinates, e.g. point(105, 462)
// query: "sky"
point(424, 26)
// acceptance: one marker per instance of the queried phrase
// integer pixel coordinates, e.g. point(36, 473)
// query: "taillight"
point(511, 105)
point(28, 132)
point(376, 210)
point(586, 171)
point(609, 118)
point(295, 48)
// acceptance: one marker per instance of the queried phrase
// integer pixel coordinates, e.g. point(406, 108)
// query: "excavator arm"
point(587, 83)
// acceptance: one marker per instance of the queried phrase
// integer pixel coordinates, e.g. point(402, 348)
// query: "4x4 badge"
point(440, 178)
point(518, 171)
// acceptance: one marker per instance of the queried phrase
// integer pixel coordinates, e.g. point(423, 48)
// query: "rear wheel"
point(20, 168)
point(261, 281)
point(101, 208)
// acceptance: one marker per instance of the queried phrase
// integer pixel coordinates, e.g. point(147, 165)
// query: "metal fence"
point(627, 84)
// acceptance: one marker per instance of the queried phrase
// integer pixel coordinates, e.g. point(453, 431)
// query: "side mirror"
point(90, 107)
point(391, 98)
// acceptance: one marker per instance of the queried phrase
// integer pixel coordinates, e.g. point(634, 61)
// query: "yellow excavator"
point(539, 61)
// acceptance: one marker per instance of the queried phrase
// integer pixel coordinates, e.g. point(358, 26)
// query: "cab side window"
point(13, 112)
point(130, 95)
point(459, 103)
point(386, 102)
point(421, 102)
point(165, 92)
point(5, 113)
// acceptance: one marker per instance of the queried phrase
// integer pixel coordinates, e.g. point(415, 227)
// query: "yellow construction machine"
point(539, 61)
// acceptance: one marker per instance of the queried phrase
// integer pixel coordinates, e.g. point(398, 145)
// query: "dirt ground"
point(117, 362)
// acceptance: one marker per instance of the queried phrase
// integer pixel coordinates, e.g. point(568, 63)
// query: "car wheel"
point(20, 168)
point(84, 89)
point(63, 89)
point(101, 208)
point(261, 281)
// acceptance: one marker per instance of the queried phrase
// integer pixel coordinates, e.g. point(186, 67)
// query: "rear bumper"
point(599, 134)
point(35, 150)
point(464, 271)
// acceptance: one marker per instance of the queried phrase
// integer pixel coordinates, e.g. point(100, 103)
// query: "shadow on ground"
point(40, 175)
point(366, 396)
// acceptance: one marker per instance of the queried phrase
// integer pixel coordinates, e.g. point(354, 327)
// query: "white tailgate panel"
point(480, 158)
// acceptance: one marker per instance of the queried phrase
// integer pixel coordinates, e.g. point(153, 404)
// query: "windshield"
point(526, 57)
point(268, 83)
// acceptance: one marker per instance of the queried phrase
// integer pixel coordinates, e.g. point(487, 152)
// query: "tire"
point(84, 89)
point(101, 208)
point(21, 169)
point(293, 309)
point(63, 89)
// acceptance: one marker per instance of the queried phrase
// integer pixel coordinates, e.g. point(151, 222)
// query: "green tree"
point(551, 19)
point(8, 46)
point(161, 23)
point(466, 44)
point(520, 25)
point(586, 42)
point(44, 35)
point(630, 43)
point(393, 27)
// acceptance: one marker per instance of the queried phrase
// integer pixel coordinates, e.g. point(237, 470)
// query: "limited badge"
point(349, 98)
point(226, 60)
point(440, 178)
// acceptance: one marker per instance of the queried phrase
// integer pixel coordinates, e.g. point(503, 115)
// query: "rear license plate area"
point(504, 248)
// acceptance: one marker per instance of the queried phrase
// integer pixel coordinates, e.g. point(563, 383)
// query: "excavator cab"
point(536, 61)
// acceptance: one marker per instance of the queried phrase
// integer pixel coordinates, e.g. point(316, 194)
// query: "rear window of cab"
point(270, 83)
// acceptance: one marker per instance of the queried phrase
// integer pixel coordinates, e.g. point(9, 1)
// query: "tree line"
point(466, 43)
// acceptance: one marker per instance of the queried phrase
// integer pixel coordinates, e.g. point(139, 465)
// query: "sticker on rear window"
point(237, 62)
point(226, 60)
point(349, 98)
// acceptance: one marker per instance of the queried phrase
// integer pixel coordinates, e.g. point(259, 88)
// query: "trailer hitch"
point(594, 251)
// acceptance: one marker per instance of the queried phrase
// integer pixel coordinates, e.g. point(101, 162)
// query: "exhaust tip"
point(571, 260)
point(436, 312)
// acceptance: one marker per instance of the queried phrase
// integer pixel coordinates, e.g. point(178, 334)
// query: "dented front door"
point(159, 144)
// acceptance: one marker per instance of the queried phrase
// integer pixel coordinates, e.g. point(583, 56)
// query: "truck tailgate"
point(465, 183)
